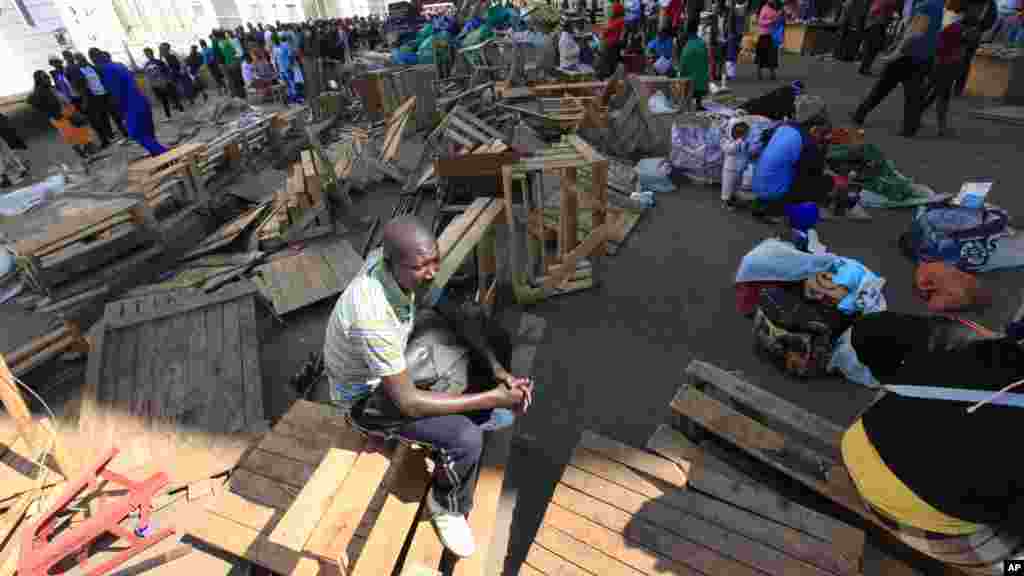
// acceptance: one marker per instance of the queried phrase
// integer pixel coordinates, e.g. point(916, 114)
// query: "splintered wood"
point(300, 210)
point(319, 271)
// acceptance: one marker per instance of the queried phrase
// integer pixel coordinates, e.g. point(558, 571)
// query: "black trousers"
point(939, 91)
point(98, 111)
point(900, 71)
point(234, 73)
point(874, 41)
point(816, 188)
point(961, 81)
point(167, 96)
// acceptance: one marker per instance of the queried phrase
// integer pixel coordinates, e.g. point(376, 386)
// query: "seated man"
point(791, 168)
point(364, 352)
point(926, 457)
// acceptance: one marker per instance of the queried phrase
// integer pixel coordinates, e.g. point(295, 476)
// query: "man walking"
point(909, 64)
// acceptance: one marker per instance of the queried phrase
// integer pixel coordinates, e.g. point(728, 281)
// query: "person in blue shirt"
point(135, 109)
point(791, 168)
point(283, 60)
point(909, 64)
point(661, 50)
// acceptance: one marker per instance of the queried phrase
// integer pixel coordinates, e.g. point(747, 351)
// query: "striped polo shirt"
point(367, 333)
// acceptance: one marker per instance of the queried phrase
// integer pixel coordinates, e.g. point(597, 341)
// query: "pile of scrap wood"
point(171, 180)
point(360, 159)
point(301, 209)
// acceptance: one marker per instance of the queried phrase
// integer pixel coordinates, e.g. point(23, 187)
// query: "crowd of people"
point(87, 98)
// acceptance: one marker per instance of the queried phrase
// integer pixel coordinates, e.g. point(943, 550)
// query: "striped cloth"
point(981, 552)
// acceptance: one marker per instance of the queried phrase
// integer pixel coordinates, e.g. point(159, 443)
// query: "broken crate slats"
point(174, 380)
point(784, 453)
point(147, 166)
point(319, 271)
point(228, 232)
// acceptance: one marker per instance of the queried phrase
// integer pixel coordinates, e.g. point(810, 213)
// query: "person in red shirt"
point(874, 31)
point(613, 35)
point(948, 65)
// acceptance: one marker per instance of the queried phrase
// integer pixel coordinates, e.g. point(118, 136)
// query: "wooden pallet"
point(315, 497)
point(621, 511)
point(82, 243)
point(171, 176)
point(786, 438)
point(175, 380)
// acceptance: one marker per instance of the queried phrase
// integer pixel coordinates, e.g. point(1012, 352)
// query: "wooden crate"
point(469, 231)
point(572, 250)
point(718, 405)
point(149, 176)
point(316, 497)
point(989, 76)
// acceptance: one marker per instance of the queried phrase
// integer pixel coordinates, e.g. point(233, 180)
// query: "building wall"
point(26, 47)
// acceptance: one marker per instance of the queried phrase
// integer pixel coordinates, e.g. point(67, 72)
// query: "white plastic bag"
point(659, 104)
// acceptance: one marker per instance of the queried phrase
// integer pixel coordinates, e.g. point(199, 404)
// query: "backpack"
point(963, 237)
point(796, 334)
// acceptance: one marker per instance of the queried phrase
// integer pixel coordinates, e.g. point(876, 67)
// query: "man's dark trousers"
point(900, 71)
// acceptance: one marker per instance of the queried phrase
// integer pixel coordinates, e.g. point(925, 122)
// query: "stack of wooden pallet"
point(172, 178)
point(75, 259)
point(775, 439)
point(301, 209)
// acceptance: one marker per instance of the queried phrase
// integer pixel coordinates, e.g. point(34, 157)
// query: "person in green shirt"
point(694, 62)
point(231, 64)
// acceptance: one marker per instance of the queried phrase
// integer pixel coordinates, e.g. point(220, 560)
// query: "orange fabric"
point(946, 288)
point(72, 135)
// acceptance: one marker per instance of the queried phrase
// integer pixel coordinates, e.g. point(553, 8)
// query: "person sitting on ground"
point(660, 51)
point(791, 168)
point(62, 114)
point(693, 63)
point(967, 511)
point(369, 379)
point(779, 104)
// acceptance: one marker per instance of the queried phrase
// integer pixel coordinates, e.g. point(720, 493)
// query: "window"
point(293, 12)
point(197, 11)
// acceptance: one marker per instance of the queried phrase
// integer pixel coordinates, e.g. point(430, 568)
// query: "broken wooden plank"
point(454, 258)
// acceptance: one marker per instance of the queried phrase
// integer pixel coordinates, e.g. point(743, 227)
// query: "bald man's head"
point(411, 250)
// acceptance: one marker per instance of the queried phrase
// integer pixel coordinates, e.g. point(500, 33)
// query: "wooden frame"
point(67, 338)
point(571, 249)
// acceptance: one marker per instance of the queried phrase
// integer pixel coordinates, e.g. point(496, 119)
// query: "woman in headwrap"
point(135, 109)
point(613, 36)
point(73, 127)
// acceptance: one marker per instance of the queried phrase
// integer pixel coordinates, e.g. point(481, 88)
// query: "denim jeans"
point(456, 442)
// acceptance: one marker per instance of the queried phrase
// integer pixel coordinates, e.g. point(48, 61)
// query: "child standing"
point(736, 149)
point(694, 63)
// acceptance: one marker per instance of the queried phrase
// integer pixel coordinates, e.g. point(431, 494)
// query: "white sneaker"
point(452, 529)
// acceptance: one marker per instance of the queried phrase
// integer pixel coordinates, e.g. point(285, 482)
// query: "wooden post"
point(18, 409)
